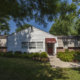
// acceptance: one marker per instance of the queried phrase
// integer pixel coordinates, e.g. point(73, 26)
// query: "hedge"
point(35, 56)
point(69, 56)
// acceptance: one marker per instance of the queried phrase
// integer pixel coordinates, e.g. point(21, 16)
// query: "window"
point(40, 45)
point(65, 44)
point(32, 45)
point(24, 44)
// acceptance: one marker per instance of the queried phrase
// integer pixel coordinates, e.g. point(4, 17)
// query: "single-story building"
point(3, 41)
point(32, 40)
point(72, 43)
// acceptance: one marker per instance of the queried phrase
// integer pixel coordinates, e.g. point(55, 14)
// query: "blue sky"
point(47, 28)
point(32, 22)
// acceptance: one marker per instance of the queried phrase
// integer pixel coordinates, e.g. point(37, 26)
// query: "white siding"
point(3, 42)
point(15, 40)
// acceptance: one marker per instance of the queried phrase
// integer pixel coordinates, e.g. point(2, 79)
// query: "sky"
point(32, 22)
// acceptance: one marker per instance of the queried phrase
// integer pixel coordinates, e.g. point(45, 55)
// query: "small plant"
point(2, 54)
point(9, 54)
point(43, 55)
point(77, 56)
point(25, 55)
point(30, 55)
point(66, 56)
point(66, 50)
point(36, 54)
point(18, 54)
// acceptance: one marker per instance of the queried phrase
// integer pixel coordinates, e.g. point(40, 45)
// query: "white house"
point(32, 40)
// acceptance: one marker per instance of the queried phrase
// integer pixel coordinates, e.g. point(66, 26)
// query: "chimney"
point(31, 29)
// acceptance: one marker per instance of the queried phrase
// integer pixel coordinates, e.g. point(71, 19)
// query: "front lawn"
point(25, 69)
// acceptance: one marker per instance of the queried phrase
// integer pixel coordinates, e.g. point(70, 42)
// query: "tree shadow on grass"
point(23, 69)
point(48, 73)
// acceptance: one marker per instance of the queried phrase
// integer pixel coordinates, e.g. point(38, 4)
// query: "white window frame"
point(32, 45)
point(25, 44)
point(40, 45)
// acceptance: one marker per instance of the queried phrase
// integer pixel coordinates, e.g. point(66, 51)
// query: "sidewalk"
point(56, 62)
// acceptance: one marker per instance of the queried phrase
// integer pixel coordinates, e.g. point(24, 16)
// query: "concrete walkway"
point(56, 62)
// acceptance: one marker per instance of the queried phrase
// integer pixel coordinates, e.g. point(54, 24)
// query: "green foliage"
point(2, 54)
point(66, 56)
point(21, 10)
point(23, 27)
point(69, 56)
point(36, 54)
point(68, 23)
point(77, 56)
point(30, 55)
point(26, 10)
point(66, 50)
point(43, 55)
point(18, 54)
point(24, 55)
point(64, 25)
point(78, 26)
point(4, 25)
point(9, 54)
point(24, 69)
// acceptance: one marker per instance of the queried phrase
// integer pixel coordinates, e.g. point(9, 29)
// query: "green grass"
point(24, 69)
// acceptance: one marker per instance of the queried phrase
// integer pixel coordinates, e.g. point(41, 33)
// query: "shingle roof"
point(68, 37)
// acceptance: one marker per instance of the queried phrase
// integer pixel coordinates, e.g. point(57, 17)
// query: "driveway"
point(56, 62)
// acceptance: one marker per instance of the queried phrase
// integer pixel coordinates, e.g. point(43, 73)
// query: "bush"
point(66, 56)
point(9, 54)
point(31, 55)
point(25, 55)
point(66, 50)
point(77, 56)
point(36, 55)
point(17, 54)
point(43, 55)
point(2, 54)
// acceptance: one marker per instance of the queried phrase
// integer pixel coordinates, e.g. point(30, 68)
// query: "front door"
point(50, 48)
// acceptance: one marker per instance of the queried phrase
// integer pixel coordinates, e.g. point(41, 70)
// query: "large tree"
point(29, 9)
point(21, 10)
point(22, 27)
point(67, 23)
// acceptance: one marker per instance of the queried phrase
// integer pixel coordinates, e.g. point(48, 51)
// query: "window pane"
point(24, 44)
point(40, 45)
point(32, 45)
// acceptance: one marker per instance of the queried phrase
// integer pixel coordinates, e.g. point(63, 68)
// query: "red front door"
point(50, 48)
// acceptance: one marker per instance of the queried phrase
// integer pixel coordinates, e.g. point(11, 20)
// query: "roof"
point(3, 36)
point(68, 37)
point(34, 27)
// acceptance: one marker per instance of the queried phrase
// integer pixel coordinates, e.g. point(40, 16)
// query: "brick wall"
point(3, 49)
point(60, 49)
